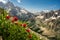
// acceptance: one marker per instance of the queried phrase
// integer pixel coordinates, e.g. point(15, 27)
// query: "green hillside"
point(13, 29)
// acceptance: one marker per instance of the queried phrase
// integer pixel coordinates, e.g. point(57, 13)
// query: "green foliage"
point(12, 31)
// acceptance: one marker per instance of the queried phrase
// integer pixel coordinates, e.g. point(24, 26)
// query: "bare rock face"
point(50, 27)
point(53, 31)
point(49, 33)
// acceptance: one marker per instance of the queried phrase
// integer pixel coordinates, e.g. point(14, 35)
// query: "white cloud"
point(19, 1)
point(4, 1)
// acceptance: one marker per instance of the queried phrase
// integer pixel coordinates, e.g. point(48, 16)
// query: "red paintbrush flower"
point(30, 36)
point(15, 18)
point(24, 25)
point(28, 30)
point(7, 17)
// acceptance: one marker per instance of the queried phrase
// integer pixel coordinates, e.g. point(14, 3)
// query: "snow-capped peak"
point(23, 11)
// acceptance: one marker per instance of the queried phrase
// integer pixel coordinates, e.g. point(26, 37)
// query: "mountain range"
point(13, 10)
point(24, 14)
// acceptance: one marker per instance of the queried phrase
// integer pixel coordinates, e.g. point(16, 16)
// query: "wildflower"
point(28, 30)
point(7, 17)
point(15, 18)
point(30, 36)
point(24, 25)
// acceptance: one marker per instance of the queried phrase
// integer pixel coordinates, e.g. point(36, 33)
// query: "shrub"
point(14, 30)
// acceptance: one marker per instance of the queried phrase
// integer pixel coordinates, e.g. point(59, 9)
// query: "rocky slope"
point(49, 23)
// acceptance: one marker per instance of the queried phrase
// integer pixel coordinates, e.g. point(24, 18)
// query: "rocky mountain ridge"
point(21, 13)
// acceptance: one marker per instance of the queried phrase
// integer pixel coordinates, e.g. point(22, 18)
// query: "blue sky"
point(38, 5)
